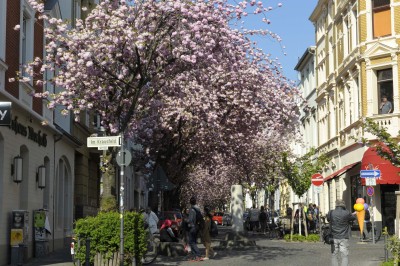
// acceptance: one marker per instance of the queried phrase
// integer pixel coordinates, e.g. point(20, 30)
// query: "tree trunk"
point(108, 200)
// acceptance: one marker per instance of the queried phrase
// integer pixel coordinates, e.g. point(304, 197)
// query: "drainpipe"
point(57, 138)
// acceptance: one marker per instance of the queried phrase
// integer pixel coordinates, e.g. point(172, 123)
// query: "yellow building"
point(357, 66)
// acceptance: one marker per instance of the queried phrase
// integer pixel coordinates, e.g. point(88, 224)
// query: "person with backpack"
point(205, 233)
point(254, 222)
point(195, 224)
point(367, 223)
point(340, 221)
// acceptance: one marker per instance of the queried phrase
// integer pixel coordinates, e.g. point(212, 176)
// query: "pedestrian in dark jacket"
point(340, 221)
point(193, 230)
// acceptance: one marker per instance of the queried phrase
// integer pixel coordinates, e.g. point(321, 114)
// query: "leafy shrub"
point(104, 233)
point(313, 238)
point(301, 238)
point(393, 245)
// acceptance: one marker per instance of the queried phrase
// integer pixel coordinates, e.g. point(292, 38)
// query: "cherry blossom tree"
point(176, 77)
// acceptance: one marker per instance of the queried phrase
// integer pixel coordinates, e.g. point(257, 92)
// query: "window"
point(356, 188)
point(385, 90)
point(26, 35)
point(381, 18)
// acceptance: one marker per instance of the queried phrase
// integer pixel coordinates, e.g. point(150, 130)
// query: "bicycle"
point(152, 249)
point(276, 232)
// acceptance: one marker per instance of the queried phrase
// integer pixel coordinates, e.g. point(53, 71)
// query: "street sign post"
point(370, 173)
point(123, 157)
point(108, 141)
point(317, 179)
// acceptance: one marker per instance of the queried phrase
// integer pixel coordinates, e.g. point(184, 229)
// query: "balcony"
point(388, 121)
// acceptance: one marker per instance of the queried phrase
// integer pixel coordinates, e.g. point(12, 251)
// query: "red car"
point(217, 218)
point(174, 216)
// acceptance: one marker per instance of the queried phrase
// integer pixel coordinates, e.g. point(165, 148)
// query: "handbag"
point(328, 237)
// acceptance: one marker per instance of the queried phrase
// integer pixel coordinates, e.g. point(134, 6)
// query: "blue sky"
point(291, 22)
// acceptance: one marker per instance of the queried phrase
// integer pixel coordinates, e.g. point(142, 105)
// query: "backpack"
point(263, 216)
point(367, 215)
point(213, 229)
point(199, 219)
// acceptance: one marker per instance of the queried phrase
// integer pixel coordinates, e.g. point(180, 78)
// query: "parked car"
point(217, 218)
point(174, 216)
point(227, 219)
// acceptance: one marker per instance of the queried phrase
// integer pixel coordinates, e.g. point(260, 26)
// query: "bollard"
point(87, 258)
point(386, 251)
point(78, 262)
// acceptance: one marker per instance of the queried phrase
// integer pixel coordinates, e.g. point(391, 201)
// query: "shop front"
point(387, 184)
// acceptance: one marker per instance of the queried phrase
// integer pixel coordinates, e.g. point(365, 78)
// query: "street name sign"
point(370, 173)
point(317, 179)
point(108, 141)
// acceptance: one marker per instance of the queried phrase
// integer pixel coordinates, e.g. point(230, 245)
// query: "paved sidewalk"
point(267, 252)
point(282, 253)
point(60, 257)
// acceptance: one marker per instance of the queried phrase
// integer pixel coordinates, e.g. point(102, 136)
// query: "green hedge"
point(301, 238)
point(104, 233)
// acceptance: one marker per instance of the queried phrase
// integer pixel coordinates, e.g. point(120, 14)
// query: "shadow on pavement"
point(60, 257)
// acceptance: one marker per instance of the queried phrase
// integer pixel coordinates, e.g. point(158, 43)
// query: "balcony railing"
point(388, 121)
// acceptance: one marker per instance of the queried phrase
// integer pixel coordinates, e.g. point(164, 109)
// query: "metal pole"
point(386, 250)
point(373, 221)
point(87, 258)
point(121, 203)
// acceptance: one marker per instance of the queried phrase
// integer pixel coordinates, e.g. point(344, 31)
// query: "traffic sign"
point(123, 157)
point(370, 181)
point(370, 191)
point(370, 173)
point(317, 179)
point(318, 189)
point(108, 141)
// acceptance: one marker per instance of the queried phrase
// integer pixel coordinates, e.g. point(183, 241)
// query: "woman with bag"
point(205, 234)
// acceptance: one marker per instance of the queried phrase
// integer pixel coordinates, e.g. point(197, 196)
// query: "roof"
point(341, 171)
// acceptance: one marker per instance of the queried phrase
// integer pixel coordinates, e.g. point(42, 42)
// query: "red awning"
point(389, 172)
point(341, 171)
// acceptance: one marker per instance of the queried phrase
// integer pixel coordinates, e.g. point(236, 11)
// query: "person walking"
point(194, 229)
point(152, 220)
point(316, 219)
point(340, 222)
point(263, 217)
point(205, 233)
point(185, 229)
point(254, 216)
point(310, 218)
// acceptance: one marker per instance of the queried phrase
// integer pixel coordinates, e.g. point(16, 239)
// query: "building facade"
point(357, 66)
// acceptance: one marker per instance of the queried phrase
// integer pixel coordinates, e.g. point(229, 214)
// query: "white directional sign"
point(108, 141)
point(370, 173)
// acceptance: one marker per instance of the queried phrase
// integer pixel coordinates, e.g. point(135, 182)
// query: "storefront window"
point(357, 190)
